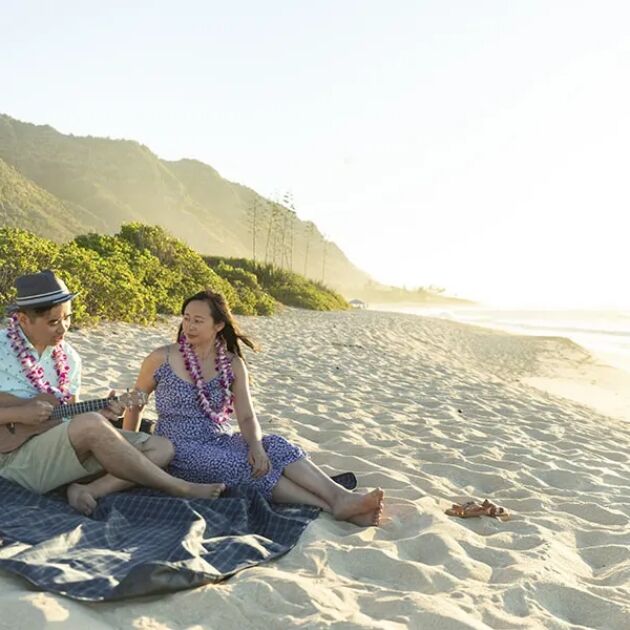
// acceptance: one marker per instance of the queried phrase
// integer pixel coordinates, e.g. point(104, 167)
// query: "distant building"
point(357, 303)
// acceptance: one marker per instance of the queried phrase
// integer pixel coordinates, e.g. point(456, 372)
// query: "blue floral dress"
point(206, 452)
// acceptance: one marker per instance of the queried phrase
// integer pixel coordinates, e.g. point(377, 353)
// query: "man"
point(39, 370)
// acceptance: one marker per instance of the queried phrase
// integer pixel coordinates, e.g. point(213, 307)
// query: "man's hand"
point(49, 398)
point(34, 412)
point(259, 461)
point(115, 408)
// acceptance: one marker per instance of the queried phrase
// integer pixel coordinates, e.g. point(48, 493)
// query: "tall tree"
point(273, 237)
point(253, 217)
point(289, 218)
point(309, 230)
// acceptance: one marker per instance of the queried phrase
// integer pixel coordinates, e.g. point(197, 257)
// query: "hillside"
point(24, 204)
point(99, 183)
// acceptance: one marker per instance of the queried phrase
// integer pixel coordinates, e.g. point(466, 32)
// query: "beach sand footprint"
point(579, 608)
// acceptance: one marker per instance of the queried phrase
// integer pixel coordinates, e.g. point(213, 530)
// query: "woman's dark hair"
point(221, 313)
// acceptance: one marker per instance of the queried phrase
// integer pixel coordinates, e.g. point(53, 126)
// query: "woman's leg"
point(285, 491)
point(344, 505)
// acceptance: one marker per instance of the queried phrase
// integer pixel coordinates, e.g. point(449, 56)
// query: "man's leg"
point(83, 496)
point(92, 435)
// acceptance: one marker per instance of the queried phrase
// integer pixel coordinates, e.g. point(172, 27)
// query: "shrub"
point(285, 286)
point(188, 271)
point(252, 299)
point(145, 267)
point(107, 288)
point(22, 252)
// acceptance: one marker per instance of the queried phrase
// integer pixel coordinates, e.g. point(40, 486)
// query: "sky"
point(482, 147)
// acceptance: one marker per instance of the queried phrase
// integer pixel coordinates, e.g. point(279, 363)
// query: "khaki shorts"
point(48, 460)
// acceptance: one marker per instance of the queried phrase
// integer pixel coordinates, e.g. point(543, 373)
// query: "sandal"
point(495, 511)
point(472, 509)
point(466, 510)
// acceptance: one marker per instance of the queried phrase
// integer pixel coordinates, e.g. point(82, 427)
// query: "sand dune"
point(433, 412)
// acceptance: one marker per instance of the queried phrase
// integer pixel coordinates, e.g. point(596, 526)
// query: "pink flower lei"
point(34, 371)
point(223, 365)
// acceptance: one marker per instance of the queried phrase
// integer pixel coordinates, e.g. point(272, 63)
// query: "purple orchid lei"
point(223, 365)
point(34, 371)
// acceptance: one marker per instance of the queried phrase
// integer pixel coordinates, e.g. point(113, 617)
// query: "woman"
point(199, 382)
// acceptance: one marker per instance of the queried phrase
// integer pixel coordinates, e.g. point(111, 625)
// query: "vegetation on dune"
point(143, 271)
point(285, 286)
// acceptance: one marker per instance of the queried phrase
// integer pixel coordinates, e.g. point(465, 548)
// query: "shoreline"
point(584, 376)
point(434, 412)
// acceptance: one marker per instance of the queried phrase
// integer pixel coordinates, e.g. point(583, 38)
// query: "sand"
point(433, 412)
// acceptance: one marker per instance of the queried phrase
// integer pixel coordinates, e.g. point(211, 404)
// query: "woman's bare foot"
point(202, 490)
point(369, 519)
point(359, 507)
point(81, 499)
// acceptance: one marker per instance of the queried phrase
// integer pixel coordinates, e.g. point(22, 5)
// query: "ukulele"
point(17, 433)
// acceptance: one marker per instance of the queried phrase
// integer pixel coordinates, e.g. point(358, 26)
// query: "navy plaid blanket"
point(141, 542)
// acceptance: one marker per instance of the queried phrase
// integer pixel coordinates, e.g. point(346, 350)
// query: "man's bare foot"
point(203, 490)
point(80, 498)
point(350, 505)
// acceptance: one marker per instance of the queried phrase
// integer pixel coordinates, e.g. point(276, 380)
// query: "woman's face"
point(198, 324)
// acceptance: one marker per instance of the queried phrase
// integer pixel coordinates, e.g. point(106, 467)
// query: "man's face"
point(49, 328)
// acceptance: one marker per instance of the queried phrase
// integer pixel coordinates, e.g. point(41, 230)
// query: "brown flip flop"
point(495, 511)
point(472, 509)
point(466, 510)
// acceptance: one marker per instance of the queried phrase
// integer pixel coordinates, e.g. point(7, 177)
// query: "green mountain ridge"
point(72, 185)
point(24, 204)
